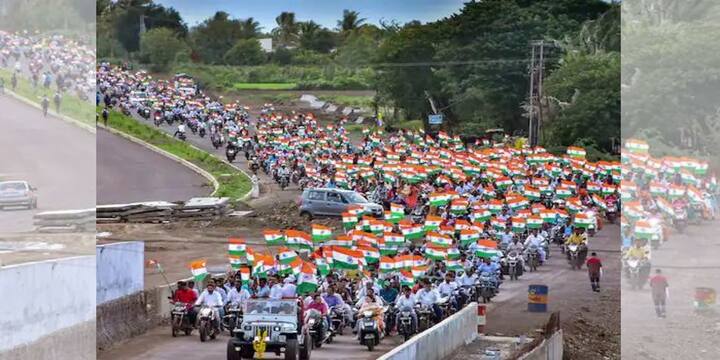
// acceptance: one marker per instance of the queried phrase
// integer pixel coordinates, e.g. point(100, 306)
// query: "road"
point(128, 172)
point(53, 155)
point(157, 344)
point(688, 261)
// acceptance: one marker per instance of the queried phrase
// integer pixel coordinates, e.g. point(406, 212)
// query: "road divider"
point(441, 340)
point(237, 186)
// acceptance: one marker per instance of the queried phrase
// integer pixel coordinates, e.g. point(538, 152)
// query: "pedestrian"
point(594, 266)
point(105, 115)
point(660, 292)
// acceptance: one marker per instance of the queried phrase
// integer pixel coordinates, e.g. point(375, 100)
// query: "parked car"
point(17, 194)
point(334, 202)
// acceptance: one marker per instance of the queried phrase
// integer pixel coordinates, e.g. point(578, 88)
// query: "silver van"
point(334, 202)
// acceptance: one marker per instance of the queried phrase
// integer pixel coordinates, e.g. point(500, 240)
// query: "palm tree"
point(249, 28)
point(287, 30)
point(307, 32)
point(350, 21)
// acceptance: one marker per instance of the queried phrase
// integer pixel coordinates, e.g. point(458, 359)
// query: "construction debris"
point(195, 209)
point(65, 221)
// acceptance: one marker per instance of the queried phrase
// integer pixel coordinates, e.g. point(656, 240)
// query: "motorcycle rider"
point(186, 295)
point(406, 302)
point(517, 247)
point(373, 303)
point(275, 288)
point(577, 238)
point(283, 171)
point(333, 299)
point(213, 299)
point(180, 130)
point(238, 295)
point(469, 278)
point(427, 296)
point(447, 287)
point(319, 304)
point(537, 240)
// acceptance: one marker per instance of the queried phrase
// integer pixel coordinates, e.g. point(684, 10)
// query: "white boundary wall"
point(120, 270)
point(441, 340)
point(40, 298)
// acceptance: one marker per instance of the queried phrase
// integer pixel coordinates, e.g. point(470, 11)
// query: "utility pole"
point(537, 70)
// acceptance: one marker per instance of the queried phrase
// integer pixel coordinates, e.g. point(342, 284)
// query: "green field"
point(71, 106)
point(264, 86)
point(235, 186)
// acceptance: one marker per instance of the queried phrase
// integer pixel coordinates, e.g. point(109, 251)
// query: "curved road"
point(128, 172)
point(55, 156)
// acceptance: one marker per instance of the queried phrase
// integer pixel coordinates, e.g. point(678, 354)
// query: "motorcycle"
point(390, 318)
point(202, 131)
point(635, 273)
point(233, 317)
point(418, 214)
point(254, 165)
point(513, 263)
point(208, 324)
point(337, 316)
point(680, 221)
point(369, 330)
point(424, 315)
point(533, 256)
point(284, 181)
point(179, 319)
point(611, 212)
point(316, 326)
point(230, 153)
point(405, 326)
point(158, 120)
point(574, 253)
point(485, 288)
point(182, 136)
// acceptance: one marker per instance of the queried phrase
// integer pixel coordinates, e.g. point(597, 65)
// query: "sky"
point(323, 12)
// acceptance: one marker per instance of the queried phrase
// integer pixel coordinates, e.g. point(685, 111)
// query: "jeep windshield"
point(355, 198)
point(271, 307)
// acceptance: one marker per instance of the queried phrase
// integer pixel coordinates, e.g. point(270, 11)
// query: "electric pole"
point(537, 70)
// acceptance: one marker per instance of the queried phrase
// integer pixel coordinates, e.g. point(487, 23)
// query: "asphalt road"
point(157, 344)
point(55, 156)
point(689, 261)
point(128, 172)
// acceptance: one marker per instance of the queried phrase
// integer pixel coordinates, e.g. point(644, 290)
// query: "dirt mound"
point(593, 331)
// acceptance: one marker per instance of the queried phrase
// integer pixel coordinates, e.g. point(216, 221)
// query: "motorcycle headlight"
point(311, 321)
point(276, 328)
point(368, 313)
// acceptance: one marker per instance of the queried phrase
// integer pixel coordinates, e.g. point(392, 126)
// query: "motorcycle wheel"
point(406, 336)
point(188, 331)
point(174, 328)
point(370, 345)
point(231, 353)
point(203, 332)
point(305, 350)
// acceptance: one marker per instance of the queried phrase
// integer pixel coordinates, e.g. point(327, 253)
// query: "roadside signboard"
point(435, 119)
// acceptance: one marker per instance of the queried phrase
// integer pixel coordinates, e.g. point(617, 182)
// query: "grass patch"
point(71, 106)
point(264, 86)
point(234, 186)
point(408, 125)
point(356, 101)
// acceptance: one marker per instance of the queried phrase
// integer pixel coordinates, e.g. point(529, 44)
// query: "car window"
point(15, 186)
point(316, 195)
point(334, 197)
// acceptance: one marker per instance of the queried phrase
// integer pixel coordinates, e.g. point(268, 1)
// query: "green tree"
point(245, 52)
point(249, 28)
point(286, 33)
point(350, 21)
point(215, 36)
point(315, 38)
point(160, 46)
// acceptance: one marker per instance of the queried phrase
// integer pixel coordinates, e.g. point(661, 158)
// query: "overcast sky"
point(323, 12)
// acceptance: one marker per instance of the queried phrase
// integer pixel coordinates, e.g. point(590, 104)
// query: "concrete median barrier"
point(441, 340)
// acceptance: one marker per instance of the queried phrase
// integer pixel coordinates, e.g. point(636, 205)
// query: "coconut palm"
point(350, 21)
point(286, 32)
point(249, 28)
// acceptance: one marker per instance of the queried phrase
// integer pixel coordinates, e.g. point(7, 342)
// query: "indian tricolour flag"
point(245, 275)
point(583, 220)
point(534, 222)
point(298, 240)
point(599, 202)
point(495, 206)
point(322, 266)
point(419, 271)
point(459, 206)
point(665, 206)
point(657, 189)
point(576, 151)
point(292, 268)
point(349, 220)
point(235, 261)
point(432, 223)
point(438, 240)
point(503, 182)
point(407, 278)
point(518, 225)
point(481, 215)
point(371, 254)
point(517, 202)
point(468, 237)
point(486, 249)
point(307, 282)
point(453, 253)
point(320, 233)
point(438, 199)
point(236, 247)
point(397, 210)
point(454, 265)
point(341, 240)
point(695, 195)
point(387, 264)
point(676, 191)
point(286, 255)
point(273, 237)
point(435, 252)
point(392, 239)
point(346, 259)
point(413, 231)
point(532, 193)
point(198, 269)
point(644, 230)
point(637, 146)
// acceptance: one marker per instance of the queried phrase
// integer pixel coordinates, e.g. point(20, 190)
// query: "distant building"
point(266, 44)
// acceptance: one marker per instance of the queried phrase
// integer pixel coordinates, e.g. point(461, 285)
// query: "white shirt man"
point(427, 297)
point(467, 279)
point(276, 292)
point(288, 290)
point(238, 297)
point(209, 299)
point(447, 287)
point(405, 302)
point(536, 240)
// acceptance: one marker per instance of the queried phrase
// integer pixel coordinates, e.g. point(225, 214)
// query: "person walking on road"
point(57, 99)
point(13, 81)
point(594, 266)
point(45, 104)
point(660, 292)
point(105, 115)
